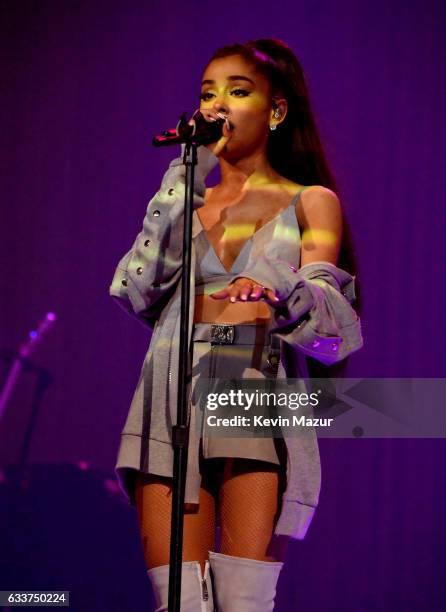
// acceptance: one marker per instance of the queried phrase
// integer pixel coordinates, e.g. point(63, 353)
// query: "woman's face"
point(233, 87)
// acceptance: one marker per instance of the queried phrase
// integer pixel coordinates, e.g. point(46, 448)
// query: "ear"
point(278, 111)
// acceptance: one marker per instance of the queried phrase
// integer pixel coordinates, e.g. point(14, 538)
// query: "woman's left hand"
point(245, 289)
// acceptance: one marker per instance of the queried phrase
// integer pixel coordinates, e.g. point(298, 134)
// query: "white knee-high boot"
point(244, 585)
point(196, 590)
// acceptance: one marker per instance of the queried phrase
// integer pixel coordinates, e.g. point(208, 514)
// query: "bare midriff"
point(209, 310)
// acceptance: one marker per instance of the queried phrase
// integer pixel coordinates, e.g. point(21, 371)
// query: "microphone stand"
point(203, 133)
point(180, 431)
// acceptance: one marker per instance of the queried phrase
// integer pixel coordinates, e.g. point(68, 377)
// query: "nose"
point(220, 107)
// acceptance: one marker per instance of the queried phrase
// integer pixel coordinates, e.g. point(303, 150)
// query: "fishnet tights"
point(246, 493)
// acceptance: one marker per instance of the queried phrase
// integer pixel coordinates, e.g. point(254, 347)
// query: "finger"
point(220, 145)
point(270, 294)
point(225, 118)
point(210, 115)
point(246, 290)
point(234, 292)
point(227, 129)
point(220, 295)
point(257, 292)
point(192, 119)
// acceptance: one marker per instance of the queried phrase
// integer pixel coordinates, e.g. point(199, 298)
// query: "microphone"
point(202, 133)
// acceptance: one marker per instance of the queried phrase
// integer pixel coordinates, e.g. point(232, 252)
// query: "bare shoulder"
point(318, 204)
point(318, 194)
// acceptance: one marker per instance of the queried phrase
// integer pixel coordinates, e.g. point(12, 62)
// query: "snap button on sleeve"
point(273, 360)
point(156, 213)
point(171, 191)
point(139, 271)
point(315, 343)
point(124, 282)
point(335, 347)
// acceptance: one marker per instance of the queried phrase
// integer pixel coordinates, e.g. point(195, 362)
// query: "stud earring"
point(276, 115)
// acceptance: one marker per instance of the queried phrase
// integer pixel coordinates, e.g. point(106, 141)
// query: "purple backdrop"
point(84, 87)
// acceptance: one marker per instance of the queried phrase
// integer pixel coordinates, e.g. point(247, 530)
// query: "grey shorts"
point(250, 355)
point(219, 352)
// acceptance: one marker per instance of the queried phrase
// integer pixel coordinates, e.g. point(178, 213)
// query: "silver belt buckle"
point(222, 334)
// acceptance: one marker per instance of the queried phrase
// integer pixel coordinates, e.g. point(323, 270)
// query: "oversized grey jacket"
point(312, 318)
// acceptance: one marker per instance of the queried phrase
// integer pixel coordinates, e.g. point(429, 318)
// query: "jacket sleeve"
point(314, 310)
point(147, 275)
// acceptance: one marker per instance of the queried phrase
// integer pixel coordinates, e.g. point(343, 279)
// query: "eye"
point(240, 93)
point(206, 96)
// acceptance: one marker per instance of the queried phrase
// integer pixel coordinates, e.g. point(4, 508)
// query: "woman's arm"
point(147, 275)
point(319, 217)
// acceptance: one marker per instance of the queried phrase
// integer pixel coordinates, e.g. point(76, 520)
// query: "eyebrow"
point(234, 77)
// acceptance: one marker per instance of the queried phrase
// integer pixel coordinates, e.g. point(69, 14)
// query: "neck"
point(245, 173)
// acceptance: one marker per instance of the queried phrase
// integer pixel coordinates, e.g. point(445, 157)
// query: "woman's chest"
point(230, 230)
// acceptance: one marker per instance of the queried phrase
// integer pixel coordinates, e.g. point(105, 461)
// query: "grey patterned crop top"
point(280, 238)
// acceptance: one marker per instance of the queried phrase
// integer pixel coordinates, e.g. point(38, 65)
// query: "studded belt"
point(217, 333)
